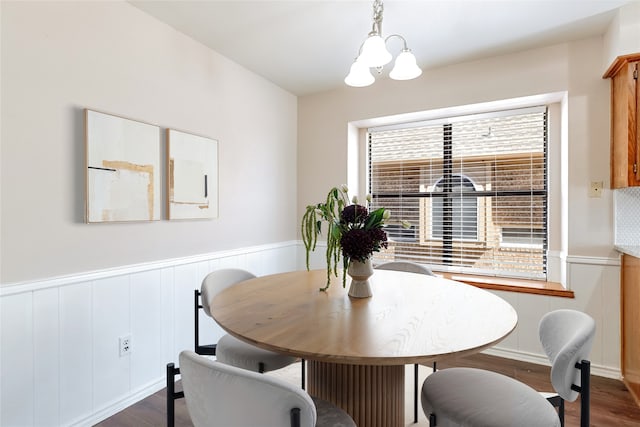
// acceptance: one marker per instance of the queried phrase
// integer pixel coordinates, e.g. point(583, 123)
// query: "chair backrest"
point(227, 396)
point(407, 266)
point(219, 280)
point(567, 338)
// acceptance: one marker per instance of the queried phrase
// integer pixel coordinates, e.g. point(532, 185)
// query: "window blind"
point(473, 189)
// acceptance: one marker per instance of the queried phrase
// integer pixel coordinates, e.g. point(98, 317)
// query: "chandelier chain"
point(378, 9)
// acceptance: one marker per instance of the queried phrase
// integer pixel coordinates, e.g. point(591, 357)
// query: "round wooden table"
point(357, 348)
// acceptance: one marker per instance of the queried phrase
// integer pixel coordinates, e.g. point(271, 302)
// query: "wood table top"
point(411, 318)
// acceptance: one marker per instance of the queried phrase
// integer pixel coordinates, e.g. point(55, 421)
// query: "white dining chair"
point(410, 267)
point(406, 266)
point(228, 349)
point(231, 350)
point(475, 397)
point(223, 395)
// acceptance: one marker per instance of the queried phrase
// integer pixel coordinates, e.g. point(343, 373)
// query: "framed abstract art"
point(123, 169)
point(192, 176)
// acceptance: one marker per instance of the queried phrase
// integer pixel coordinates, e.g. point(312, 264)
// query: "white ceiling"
point(307, 46)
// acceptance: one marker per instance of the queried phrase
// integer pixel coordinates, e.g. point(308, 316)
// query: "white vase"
point(360, 273)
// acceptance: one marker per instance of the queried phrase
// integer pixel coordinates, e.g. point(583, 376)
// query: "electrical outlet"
point(595, 190)
point(125, 345)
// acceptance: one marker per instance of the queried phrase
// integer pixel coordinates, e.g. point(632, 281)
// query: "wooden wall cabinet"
point(630, 322)
point(625, 121)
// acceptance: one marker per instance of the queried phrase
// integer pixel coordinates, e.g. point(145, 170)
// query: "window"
point(473, 188)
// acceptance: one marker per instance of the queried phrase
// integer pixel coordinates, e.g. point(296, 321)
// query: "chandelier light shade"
point(373, 53)
point(405, 67)
point(359, 75)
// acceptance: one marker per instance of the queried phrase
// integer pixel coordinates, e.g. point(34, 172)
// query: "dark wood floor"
point(611, 403)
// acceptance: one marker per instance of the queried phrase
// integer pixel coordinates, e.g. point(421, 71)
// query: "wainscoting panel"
point(16, 360)
point(146, 359)
point(111, 316)
point(167, 322)
point(46, 348)
point(76, 352)
point(186, 279)
point(610, 318)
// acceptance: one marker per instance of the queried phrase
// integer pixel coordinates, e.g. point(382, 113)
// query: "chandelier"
point(373, 53)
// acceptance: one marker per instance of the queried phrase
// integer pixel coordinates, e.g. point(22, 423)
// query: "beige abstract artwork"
point(123, 169)
point(192, 176)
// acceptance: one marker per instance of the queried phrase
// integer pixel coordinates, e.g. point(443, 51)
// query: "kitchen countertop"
point(633, 250)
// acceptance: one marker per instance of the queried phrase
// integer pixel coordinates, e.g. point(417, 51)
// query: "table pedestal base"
point(372, 395)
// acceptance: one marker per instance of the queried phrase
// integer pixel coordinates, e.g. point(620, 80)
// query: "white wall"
point(60, 57)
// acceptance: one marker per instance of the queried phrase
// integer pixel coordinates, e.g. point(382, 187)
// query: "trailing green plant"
point(353, 233)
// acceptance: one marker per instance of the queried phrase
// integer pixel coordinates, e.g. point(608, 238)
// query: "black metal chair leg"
point(205, 350)
point(415, 393)
point(304, 374)
point(170, 388)
point(172, 395)
point(432, 420)
point(196, 319)
point(295, 417)
point(585, 393)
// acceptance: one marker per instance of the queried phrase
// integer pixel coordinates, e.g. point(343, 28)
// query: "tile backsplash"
point(627, 216)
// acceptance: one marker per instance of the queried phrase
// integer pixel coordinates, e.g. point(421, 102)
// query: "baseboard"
point(538, 359)
point(120, 404)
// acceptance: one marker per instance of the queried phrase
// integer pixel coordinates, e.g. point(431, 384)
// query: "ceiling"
point(307, 46)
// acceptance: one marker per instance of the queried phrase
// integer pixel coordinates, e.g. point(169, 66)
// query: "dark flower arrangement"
point(362, 233)
point(353, 232)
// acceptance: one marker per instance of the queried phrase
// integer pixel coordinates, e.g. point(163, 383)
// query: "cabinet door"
point(635, 137)
point(625, 125)
point(630, 316)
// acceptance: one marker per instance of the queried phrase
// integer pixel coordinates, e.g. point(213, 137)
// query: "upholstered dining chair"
point(406, 266)
point(475, 397)
point(410, 267)
point(229, 349)
point(223, 395)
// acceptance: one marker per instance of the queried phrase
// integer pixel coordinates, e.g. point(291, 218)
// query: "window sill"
point(511, 285)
